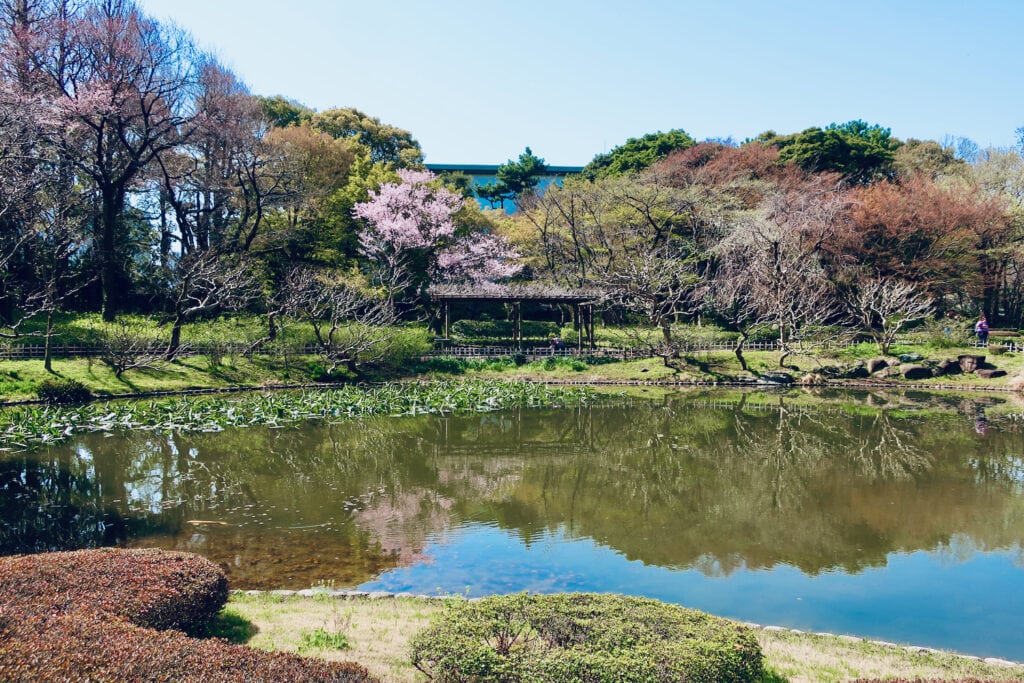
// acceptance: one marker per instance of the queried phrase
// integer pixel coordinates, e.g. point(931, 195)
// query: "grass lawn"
point(376, 633)
point(19, 378)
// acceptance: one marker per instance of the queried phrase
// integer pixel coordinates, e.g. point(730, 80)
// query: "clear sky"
point(476, 82)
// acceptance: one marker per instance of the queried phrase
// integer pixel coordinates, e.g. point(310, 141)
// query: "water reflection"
point(698, 481)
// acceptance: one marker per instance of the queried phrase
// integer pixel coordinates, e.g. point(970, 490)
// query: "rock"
point(999, 662)
point(306, 593)
point(283, 593)
point(380, 595)
point(775, 378)
point(911, 358)
point(947, 367)
point(970, 363)
point(858, 372)
point(990, 374)
point(911, 371)
point(875, 364)
point(812, 379)
point(891, 371)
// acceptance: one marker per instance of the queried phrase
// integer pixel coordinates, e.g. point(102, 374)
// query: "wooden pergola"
point(582, 301)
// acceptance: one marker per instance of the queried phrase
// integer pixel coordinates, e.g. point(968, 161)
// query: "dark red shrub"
point(121, 615)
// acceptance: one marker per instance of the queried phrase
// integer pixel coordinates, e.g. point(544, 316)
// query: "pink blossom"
point(413, 215)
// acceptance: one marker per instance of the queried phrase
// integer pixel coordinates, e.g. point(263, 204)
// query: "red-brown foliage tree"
point(946, 240)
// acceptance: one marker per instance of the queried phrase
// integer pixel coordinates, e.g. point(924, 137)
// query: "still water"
point(893, 516)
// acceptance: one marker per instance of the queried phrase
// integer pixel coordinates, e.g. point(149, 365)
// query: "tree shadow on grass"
point(232, 627)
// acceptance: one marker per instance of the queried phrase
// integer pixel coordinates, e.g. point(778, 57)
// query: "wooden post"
point(517, 325)
point(446, 320)
point(590, 325)
point(579, 329)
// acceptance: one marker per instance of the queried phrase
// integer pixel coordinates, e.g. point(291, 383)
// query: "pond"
point(885, 515)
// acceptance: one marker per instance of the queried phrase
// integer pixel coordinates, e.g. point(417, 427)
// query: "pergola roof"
point(549, 294)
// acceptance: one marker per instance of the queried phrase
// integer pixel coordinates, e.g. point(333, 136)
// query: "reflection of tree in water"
point(680, 482)
point(682, 485)
point(45, 506)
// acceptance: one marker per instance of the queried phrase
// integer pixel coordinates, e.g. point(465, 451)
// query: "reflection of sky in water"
point(975, 604)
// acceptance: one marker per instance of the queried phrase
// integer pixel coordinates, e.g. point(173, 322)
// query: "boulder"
point(858, 372)
point(947, 367)
point(912, 371)
point(970, 363)
point(875, 364)
point(891, 371)
point(990, 374)
point(775, 378)
point(911, 358)
point(812, 379)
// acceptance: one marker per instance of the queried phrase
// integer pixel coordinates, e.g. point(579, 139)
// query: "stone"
point(891, 371)
point(912, 371)
point(947, 367)
point(911, 358)
point(812, 379)
point(990, 374)
point(775, 378)
point(995, 661)
point(283, 594)
point(873, 365)
point(970, 363)
point(306, 593)
point(380, 595)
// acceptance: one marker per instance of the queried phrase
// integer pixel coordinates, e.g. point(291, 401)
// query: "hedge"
point(502, 329)
point(110, 614)
point(63, 392)
point(584, 637)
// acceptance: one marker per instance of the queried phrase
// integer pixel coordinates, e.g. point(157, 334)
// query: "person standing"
point(981, 329)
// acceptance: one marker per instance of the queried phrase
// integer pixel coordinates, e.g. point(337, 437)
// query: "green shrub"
point(502, 329)
point(123, 615)
point(63, 391)
point(448, 365)
point(405, 345)
point(587, 638)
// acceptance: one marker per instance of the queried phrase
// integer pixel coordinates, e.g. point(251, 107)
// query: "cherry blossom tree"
point(412, 237)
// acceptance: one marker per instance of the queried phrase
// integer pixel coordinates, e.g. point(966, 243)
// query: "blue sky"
point(476, 82)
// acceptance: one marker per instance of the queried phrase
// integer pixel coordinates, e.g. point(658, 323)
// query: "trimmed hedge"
point(112, 614)
point(585, 638)
point(63, 392)
point(502, 329)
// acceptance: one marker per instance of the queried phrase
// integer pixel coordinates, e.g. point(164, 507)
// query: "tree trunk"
point(47, 351)
point(175, 343)
point(271, 326)
point(109, 270)
point(739, 352)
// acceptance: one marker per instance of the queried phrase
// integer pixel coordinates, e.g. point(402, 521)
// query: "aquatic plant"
point(29, 427)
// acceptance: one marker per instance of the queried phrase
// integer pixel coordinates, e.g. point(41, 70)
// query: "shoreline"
point(751, 384)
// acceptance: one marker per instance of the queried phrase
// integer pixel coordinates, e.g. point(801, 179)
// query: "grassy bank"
point(19, 380)
point(376, 633)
